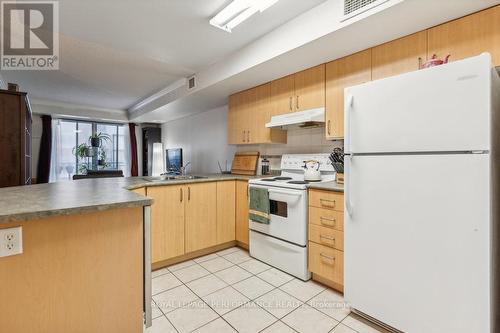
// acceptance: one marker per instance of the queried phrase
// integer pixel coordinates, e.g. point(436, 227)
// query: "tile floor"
point(229, 291)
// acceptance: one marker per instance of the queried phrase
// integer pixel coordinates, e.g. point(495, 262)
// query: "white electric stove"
point(283, 242)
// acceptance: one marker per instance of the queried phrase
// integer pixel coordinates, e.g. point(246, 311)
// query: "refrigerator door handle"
point(349, 101)
point(348, 203)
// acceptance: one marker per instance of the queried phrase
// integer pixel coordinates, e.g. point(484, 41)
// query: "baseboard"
point(242, 245)
point(329, 283)
point(192, 255)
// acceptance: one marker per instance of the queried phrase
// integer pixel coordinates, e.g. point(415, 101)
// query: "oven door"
point(288, 215)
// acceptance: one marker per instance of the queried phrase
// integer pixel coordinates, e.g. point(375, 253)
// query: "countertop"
point(327, 186)
point(32, 202)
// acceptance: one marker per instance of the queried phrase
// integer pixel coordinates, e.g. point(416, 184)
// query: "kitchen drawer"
point(326, 236)
point(326, 262)
point(326, 218)
point(327, 200)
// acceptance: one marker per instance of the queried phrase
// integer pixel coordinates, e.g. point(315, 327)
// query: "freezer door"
point(444, 108)
point(417, 245)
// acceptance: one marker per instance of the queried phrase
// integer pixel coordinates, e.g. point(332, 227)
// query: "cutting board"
point(245, 163)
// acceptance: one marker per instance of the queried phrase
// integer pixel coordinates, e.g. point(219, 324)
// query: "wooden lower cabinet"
point(326, 237)
point(193, 217)
point(242, 213)
point(201, 216)
point(226, 211)
point(326, 262)
point(167, 222)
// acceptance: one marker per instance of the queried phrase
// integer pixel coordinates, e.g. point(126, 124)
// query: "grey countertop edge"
point(28, 216)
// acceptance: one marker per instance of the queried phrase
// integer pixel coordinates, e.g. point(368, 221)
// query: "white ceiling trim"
point(76, 111)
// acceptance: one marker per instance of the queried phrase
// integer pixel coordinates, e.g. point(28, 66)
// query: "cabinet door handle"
point(248, 136)
point(329, 127)
point(330, 258)
point(181, 194)
point(291, 103)
point(297, 103)
point(244, 136)
point(330, 203)
point(419, 62)
point(329, 238)
point(323, 219)
point(189, 193)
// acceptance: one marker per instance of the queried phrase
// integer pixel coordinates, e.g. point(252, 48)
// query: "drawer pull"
point(323, 219)
point(329, 238)
point(327, 203)
point(324, 256)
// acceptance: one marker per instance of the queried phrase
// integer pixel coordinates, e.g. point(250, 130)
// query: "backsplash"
point(300, 141)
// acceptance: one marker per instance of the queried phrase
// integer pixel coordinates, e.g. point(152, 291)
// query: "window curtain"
point(43, 169)
point(56, 167)
point(134, 165)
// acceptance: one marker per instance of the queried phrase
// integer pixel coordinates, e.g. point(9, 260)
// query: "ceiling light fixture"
point(239, 11)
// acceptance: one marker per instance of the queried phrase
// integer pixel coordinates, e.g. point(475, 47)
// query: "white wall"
point(203, 138)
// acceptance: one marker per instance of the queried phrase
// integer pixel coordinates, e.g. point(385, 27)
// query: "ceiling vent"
point(355, 7)
point(191, 82)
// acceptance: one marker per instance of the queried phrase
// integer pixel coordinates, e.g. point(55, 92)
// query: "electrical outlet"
point(11, 241)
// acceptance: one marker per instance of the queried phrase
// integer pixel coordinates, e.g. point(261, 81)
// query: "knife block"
point(340, 178)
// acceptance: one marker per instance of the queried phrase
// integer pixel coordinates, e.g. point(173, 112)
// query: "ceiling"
point(114, 53)
point(315, 37)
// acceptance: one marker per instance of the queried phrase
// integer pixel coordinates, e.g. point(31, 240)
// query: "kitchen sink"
point(168, 178)
point(189, 177)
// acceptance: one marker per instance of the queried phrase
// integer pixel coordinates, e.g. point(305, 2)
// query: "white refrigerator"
point(420, 193)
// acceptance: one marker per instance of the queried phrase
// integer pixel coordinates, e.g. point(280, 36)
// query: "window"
point(73, 153)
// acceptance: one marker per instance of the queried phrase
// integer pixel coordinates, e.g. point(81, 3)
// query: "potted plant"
point(102, 159)
point(83, 151)
point(96, 140)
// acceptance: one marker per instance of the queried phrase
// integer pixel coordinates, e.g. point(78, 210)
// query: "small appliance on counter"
point(265, 166)
point(311, 171)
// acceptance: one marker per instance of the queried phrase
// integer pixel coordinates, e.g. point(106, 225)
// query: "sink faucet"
point(183, 168)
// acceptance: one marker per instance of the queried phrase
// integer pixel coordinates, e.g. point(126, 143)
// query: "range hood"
point(304, 119)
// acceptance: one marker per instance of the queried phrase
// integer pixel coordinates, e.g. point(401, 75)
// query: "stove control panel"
point(296, 161)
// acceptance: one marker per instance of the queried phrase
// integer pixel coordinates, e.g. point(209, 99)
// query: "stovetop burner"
point(298, 182)
point(268, 180)
point(282, 178)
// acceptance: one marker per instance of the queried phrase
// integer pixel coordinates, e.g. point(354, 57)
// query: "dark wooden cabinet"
point(15, 139)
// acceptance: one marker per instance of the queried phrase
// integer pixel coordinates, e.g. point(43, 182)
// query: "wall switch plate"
point(11, 241)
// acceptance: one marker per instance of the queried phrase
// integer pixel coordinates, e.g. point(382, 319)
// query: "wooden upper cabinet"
point(201, 216)
point(468, 36)
point(259, 114)
point(167, 222)
point(340, 74)
point(399, 56)
point(310, 88)
point(233, 125)
point(282, 95)
point(249, 111)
